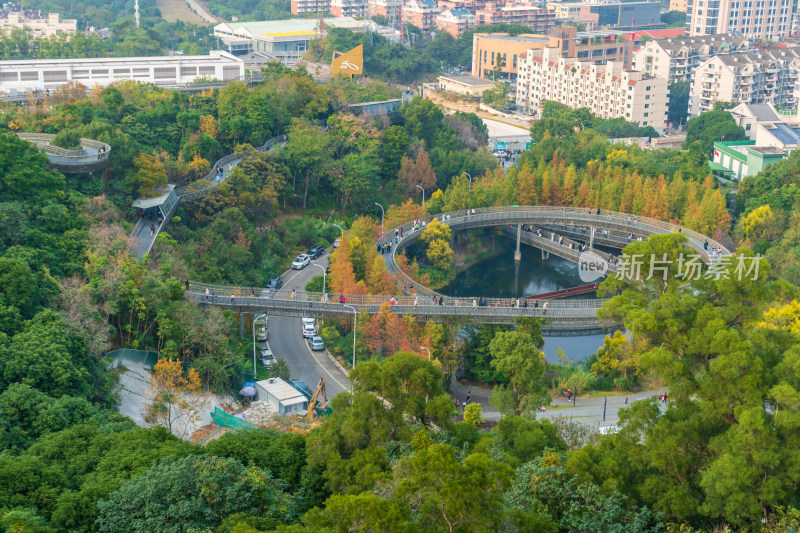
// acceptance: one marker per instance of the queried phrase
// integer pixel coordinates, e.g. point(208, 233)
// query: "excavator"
point(314, 402)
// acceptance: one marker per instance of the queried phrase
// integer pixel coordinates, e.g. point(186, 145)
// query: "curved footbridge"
point(563, 317)
point(90, 157)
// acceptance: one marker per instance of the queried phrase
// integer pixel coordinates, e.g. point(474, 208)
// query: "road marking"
point(313, 355)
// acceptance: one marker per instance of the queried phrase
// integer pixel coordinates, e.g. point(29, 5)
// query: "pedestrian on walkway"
point(569, 394)
point(474, 302)
point(416, 301)
point(186, 283)
point(391, 301)
point(544, 308)
point(626, 400)
point(665, 396)
point(469, 397)
point(342, 299)
point(253, 292)
point(207, 294)
point(293, 295)
point(232, 298)
point(325, 298)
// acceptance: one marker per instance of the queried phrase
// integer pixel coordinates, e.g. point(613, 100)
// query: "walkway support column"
point(517, 254)
point(591, 237)
point(241, 324)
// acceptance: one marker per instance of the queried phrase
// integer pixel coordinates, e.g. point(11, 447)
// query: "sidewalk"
point(586, 410)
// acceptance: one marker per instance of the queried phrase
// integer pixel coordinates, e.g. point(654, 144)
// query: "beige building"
point(500, 52)
point(349, 8)
point(466, 85)
point(676, 58)
point(755, 19)
point(455, 21)
point(523, 13)
point(677, 5)
point(421, 13)
point(763, 77)
point(609, 91)
point(12, 16)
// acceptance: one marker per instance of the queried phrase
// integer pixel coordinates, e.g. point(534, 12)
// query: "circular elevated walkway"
point(92, 156)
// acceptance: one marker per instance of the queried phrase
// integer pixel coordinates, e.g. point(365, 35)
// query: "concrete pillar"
point(517, 253)
point(241, 325)
point(591, 238)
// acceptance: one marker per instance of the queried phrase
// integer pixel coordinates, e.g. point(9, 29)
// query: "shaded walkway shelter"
point(153, 213)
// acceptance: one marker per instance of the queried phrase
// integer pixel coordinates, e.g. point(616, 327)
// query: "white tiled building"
point(757, 77)
point(755, 19)
point(46, 74)
point(676, 58)
point(609, 91)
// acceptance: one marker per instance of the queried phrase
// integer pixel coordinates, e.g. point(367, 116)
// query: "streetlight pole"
point(428, 350)
point(470, 180)
point(323, 276)
point(382, 215)
point(338, 226)
point(254, 342)
point(355, 328)
point(423, 195)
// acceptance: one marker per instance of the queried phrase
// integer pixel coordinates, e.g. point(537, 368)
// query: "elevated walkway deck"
point(91, 157)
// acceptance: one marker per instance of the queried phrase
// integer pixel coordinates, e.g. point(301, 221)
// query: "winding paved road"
point(287, 341)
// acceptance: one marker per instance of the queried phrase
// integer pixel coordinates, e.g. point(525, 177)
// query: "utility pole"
point(605, 401)
point(136, 13)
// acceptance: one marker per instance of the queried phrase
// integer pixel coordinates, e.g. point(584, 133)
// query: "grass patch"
point(175, 10)
point(601, 393)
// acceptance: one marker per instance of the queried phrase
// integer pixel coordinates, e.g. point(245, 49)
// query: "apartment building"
point(498, 53)
point(677, 5)
point(14, 16)
point(609, 91)
point(756, 77)
point(303, 7)
point(676, 59)
point(523, 13)
point(624, 15)
point(384, 8)
point(349, 8)
point(565, 10)
point(470, 5)
point(455, 21)
point(421, 13)
point(28, 75)
point(755, 19)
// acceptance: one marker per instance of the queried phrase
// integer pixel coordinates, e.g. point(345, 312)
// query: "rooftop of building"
point(458, 12)
point(521, 38)
point(282, 391)
point(655, 34)
point(116, 61)
point(785, 133)
point(719, 40)
point(289, 26)
point(160, 197)
point(759, 57)
point(761, 112)
point(766, 150)
point(468, 80)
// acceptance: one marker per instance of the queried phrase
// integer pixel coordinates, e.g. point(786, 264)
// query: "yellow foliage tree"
point(209, 126)
point(786, 317)
point(440, 254)
point(176, 397)
point(150, 173)
point(436, 231)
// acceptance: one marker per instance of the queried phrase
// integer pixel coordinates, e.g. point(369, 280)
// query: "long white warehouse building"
point(27, 75)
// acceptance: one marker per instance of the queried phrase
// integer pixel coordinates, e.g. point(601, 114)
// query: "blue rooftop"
point(786, 134)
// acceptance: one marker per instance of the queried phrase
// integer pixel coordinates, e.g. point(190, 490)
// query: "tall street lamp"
point(428, 350)
point(338, 226)
point(382, 214)
point(323, 276)
point(254, 341)
point(355, 322)
point(423, 195)
point(470, 180)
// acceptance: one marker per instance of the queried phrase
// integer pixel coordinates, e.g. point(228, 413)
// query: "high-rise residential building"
point(756, 19)
point(524, 13)
point(676, 59)
point(624, 15)
point(497, 55)
point(349, 8)
point(609, 90)
point(421, 13)
point(14, 16)
point(384, 8)
point(756, 77)
point(303, 7)
point(455, 21)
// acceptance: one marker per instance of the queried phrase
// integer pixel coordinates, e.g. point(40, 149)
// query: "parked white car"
point(309, 330)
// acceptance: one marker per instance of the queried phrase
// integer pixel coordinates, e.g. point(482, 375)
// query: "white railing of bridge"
point(62, 156)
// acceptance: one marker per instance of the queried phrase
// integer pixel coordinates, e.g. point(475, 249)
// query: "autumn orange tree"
point(387, 332)
point(176, 397)
point(417, 171)
point(356, 266)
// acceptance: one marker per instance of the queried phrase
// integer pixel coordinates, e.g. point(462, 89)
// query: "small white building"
point(285, 399)
point(27, 75)
point(13, 16)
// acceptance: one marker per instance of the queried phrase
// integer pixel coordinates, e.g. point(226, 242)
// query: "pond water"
point(502, 277)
